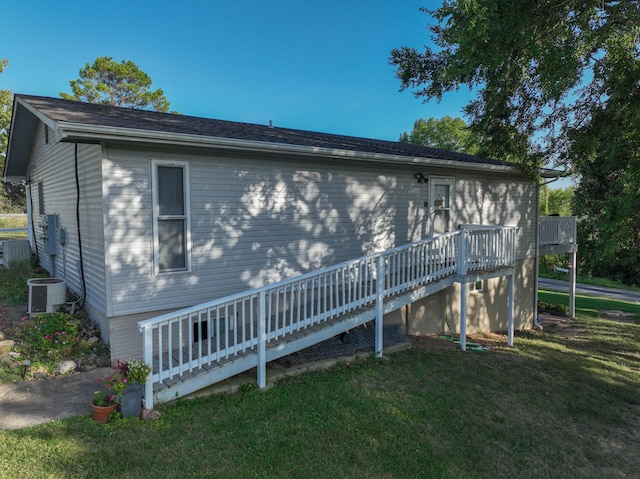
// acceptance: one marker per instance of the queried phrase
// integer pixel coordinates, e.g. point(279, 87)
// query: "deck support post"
point(147, 357)
point(510, 310)
point(463, 315)
point(572, 285)
point(463, 268)
point(380, 285)
point(262, 340)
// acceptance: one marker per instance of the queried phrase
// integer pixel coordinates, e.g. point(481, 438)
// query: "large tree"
point(555, 81)
point(539, 68)
point(446, 133)
point(606, 153)
point(118, 84)
point(12, 197)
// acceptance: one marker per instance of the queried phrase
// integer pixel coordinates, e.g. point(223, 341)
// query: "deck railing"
point(177, 343)
point(486, 247)
point(557, 230)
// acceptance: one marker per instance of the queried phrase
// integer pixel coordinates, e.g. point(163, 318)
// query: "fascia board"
point(37, 113)
point(79, 132)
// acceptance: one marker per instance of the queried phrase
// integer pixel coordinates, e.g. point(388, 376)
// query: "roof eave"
point(551, 174)
point(67, 131)
point(21, 132)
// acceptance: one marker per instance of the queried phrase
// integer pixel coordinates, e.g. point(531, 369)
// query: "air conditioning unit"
point(46, 294)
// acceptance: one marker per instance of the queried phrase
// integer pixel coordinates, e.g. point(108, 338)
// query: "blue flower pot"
point(131, 402)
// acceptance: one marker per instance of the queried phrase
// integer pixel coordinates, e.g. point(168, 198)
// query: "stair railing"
point(180, 342)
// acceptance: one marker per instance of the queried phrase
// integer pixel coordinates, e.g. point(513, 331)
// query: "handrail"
point(302, 277)
point(200, 335)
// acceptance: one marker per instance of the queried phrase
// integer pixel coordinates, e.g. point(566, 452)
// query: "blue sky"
point(306, 64)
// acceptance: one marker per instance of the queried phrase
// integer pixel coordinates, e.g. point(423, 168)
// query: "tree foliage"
point(556, 82)
point(12, 197)
point(556, 201)
point(447, 133)
point(539, 68)
point(606, 153)
point(119, 84)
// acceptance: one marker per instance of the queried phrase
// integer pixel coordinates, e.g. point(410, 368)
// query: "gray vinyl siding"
point(258, 221)
point(499, 200)
point(253, 222)
point(129, 232)
point(54, 165)
point(92, 226)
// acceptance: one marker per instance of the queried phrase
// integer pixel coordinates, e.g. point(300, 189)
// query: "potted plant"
point(135, 373)
point(104, 402)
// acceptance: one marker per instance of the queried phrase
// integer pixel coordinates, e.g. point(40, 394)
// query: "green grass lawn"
point(588, 305)
point(12, 222)
point(13, 236)
point(563, 403)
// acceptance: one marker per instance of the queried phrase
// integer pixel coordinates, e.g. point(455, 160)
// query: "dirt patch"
point(10, 316)
point(619, 316)
point(488, 341)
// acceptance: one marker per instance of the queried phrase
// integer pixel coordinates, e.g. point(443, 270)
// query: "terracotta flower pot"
point(102, 413)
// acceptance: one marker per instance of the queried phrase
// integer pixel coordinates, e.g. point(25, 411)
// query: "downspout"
point(537, 261)
point(84, 285)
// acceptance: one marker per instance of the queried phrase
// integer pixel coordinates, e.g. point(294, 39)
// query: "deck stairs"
point(196, 347)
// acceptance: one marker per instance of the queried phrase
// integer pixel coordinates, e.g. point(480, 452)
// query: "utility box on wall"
point(49, 227)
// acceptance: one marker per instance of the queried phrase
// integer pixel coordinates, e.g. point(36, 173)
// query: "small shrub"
point(553, 307)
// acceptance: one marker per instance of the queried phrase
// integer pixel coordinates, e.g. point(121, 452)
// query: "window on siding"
point(441, 200)
point(171, 216)
point(476, 287)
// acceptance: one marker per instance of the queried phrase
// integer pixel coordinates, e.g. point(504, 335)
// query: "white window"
point(476, 286)
point(171, 219)
point(441, 200)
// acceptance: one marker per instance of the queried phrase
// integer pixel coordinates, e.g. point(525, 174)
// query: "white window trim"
point(441, 180)
point(473, 286)
point(155, 212)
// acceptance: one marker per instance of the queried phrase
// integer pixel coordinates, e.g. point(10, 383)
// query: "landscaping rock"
point(2, 336)
point(150, 414)
point(6, 346)
point(64, 367)
point(5, 361)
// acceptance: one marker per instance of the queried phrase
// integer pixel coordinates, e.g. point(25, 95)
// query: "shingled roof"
point(59, 110)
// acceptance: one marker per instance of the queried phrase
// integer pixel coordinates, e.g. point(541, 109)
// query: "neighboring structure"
point(154, 212)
